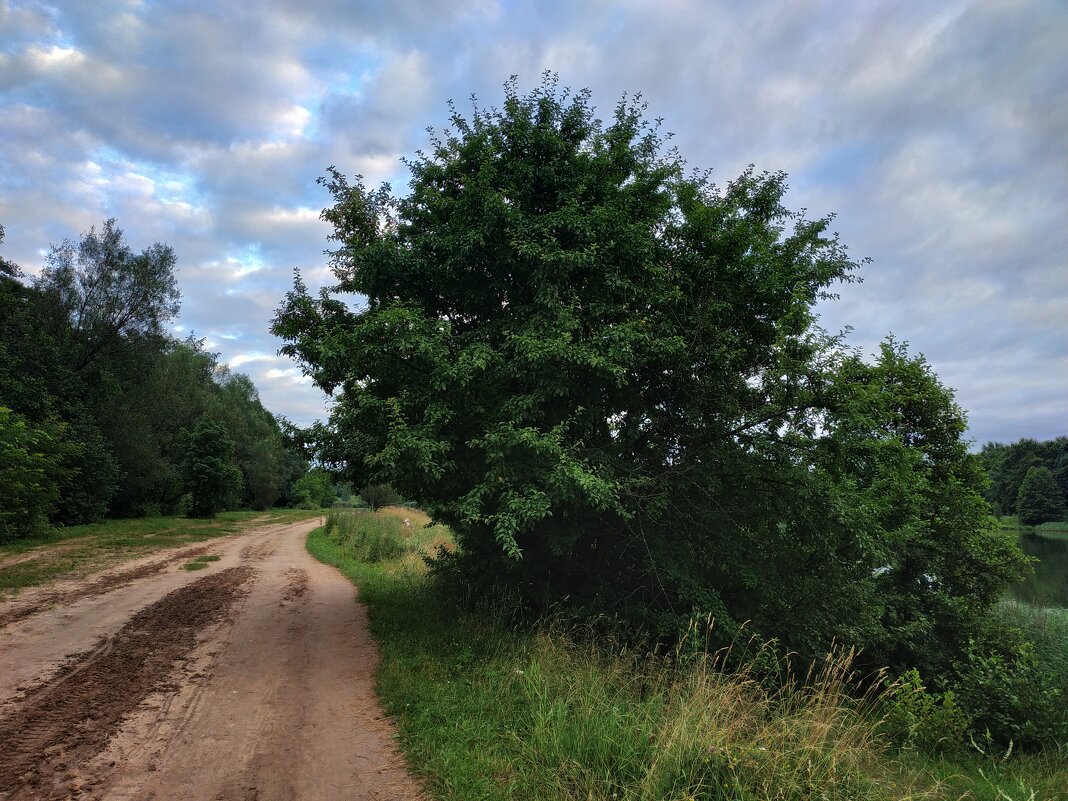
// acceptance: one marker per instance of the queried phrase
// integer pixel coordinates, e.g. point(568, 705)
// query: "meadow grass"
point(490, 710)
point(73, 551)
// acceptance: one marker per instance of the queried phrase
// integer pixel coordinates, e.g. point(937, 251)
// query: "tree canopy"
point(604, 372)
point(1040, 499)
point(95, 394)
point(1008, 465)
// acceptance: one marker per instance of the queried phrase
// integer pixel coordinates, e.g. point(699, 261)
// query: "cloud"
point(935, 131)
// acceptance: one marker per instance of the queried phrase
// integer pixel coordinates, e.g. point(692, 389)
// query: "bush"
point(913, 717)
point(378, 495)
point(28, 485)
point(1014, 681)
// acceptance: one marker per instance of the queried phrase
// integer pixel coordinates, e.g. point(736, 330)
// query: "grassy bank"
point(1057, 529)
point(487, 711)
point(80, 550)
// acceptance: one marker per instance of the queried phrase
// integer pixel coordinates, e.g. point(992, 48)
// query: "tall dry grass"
point(627, 727)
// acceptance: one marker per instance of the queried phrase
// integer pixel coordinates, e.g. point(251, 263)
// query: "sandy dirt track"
point(248, 681)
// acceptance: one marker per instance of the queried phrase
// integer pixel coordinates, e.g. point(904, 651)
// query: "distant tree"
point(108, 292)
point(208, 472)
point(295, 462)
point(315, 489)
point(7, 268)
point(1008, 464)
point(257, 438)
point(378, 495)
point(1040, 500)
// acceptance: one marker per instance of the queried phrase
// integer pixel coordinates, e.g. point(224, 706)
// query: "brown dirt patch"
point(70, 717)
point(296, 585)
point(257, 551)
point(105, 583)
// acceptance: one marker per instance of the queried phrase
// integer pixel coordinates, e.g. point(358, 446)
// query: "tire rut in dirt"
point(71, 716)
point(112, 581)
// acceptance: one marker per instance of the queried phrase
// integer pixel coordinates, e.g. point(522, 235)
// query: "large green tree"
point(603, 371)
point(208, 471)
point(108, 293)
point(1039, 499)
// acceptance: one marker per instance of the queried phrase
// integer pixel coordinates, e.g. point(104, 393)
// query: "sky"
point(936, 132)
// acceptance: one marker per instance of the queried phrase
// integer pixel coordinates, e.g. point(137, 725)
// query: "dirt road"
point(250, 680)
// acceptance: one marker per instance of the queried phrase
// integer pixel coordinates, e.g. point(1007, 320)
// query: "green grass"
point(490, 711)
point(80, 550)
point(1057, 529)
point(201, 562)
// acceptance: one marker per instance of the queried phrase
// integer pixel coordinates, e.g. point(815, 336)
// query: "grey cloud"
point(935, 131)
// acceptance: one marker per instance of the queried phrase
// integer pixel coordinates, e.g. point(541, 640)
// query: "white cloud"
point(935, 130)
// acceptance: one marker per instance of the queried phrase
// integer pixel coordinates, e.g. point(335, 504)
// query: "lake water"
point(1049, 585)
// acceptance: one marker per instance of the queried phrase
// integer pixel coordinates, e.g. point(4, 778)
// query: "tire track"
point(70, 717)
point(101, 585)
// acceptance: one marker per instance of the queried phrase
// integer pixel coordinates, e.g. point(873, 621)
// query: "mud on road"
point(254, 681)
point(73, 715)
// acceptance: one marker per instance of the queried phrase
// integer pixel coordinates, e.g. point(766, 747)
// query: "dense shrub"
point(378, 495)
point(914, 717)
point(1013, 680)
point(28, 486)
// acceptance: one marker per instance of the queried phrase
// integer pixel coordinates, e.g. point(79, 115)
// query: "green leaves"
point(1040, 499)
point(604, 374)
point(208, 473)
point(28, 482)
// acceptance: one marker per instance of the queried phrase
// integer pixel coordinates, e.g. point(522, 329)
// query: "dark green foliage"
point(604, 375)
point(208, 472)
point(89, 475)
point(906, 500)
point(914, 717)
point(257, 438)
point(315, 489)
point(1039, 499)
point(84, 357)
point(106, 293)
point(1007, 466)
point(28, 486)
point(378, 495)
point(1011, 698)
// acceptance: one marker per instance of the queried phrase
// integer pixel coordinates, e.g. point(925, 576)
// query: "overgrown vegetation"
point(603, 372)
point(98, 404)
point(489, 709)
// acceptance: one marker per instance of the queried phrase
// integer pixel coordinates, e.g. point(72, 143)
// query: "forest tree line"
point(103, 413)
point(1028, 478)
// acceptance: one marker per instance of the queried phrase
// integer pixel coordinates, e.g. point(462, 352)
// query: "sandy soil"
point(248, 681)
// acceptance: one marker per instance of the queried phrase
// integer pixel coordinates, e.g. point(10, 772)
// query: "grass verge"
point(80, 550)
point(488, 711)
